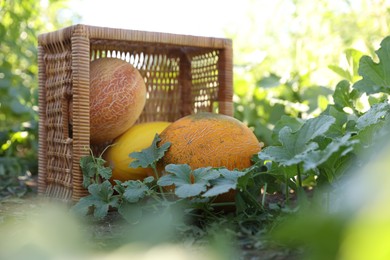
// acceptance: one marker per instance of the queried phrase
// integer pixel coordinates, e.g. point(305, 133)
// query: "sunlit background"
point(288, 54)
point(288, 57)
point(204, 18)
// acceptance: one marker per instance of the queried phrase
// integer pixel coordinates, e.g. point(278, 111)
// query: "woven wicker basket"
point(183, 74)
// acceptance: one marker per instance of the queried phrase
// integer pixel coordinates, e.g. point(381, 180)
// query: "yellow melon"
point(135, 139)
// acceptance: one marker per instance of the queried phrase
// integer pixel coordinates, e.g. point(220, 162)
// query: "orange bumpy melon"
point(117, 98)
point(209, 139)
point(135, 139)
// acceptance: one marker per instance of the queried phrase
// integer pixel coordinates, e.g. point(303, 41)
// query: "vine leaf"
point(295, 145)
point(376, 76)
point(342, 144)
point(101, 198)
point(94, 166)
point(188, 183)
point(343, 96)
point(135, 191)
point(150, 156)
point(228, 181)
point(373, 116)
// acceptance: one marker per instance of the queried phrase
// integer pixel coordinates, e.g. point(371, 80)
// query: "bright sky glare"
point(200, 17)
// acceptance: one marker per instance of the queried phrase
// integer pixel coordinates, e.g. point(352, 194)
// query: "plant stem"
point(253, 199)
point(299, 176)
point(222, 204)
point(157, 177)
point(286, 189)
point(264, 194)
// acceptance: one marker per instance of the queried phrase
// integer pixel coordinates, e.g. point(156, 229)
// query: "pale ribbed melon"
point(117, 98)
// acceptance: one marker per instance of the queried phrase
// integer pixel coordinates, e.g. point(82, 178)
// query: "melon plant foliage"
point(314, 152)
point(376, 76)
point(325, 146)
point(191, 184)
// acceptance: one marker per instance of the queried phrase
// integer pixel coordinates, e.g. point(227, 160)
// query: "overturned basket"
point(183, 75)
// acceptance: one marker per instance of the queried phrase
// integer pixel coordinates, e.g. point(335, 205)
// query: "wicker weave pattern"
point(205, 81)
point(183, 75)
point(56, 92)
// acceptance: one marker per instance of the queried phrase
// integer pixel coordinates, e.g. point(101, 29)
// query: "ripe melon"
point(117, 98)
point(135, 139)
point(209, 139)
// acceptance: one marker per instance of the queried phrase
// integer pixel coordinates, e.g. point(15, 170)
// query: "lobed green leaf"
point(228, 181)
point(318, 157)
point(150, 156)
point(187, 183)
point(100, 200)
point(376, 76)
point(294, 146)
point(135, 191)
point(373, 116)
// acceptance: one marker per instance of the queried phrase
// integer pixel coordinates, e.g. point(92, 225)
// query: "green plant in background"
point(320, 150)
point(286, 71)
point(343, 225)
point(20, 23)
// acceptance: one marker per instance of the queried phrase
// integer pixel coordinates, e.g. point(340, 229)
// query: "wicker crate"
point(183, 74)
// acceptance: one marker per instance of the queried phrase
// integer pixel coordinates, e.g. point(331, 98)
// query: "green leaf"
point(187, 183)
point(339, 127)
point(148, 179)
point(179, 172)
point(293, 122)
point(296, 145)
point(93, 167)
point(89, 168)
point(341, 95)
point(342, 145)
point(149, 156)
point(376, 76)
point(350, 72)
point(340, 71)
point(135, 191)
point(100, 200)
point(104, 191)
point(187, 190)
point(87, 165)
point(376, 113)
point(353, 58)
point(101, 209)
point(372, 128)
point(119, 188)
point(227, 181)
point(83, 206)
point(269, 81)
point(104, 172)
